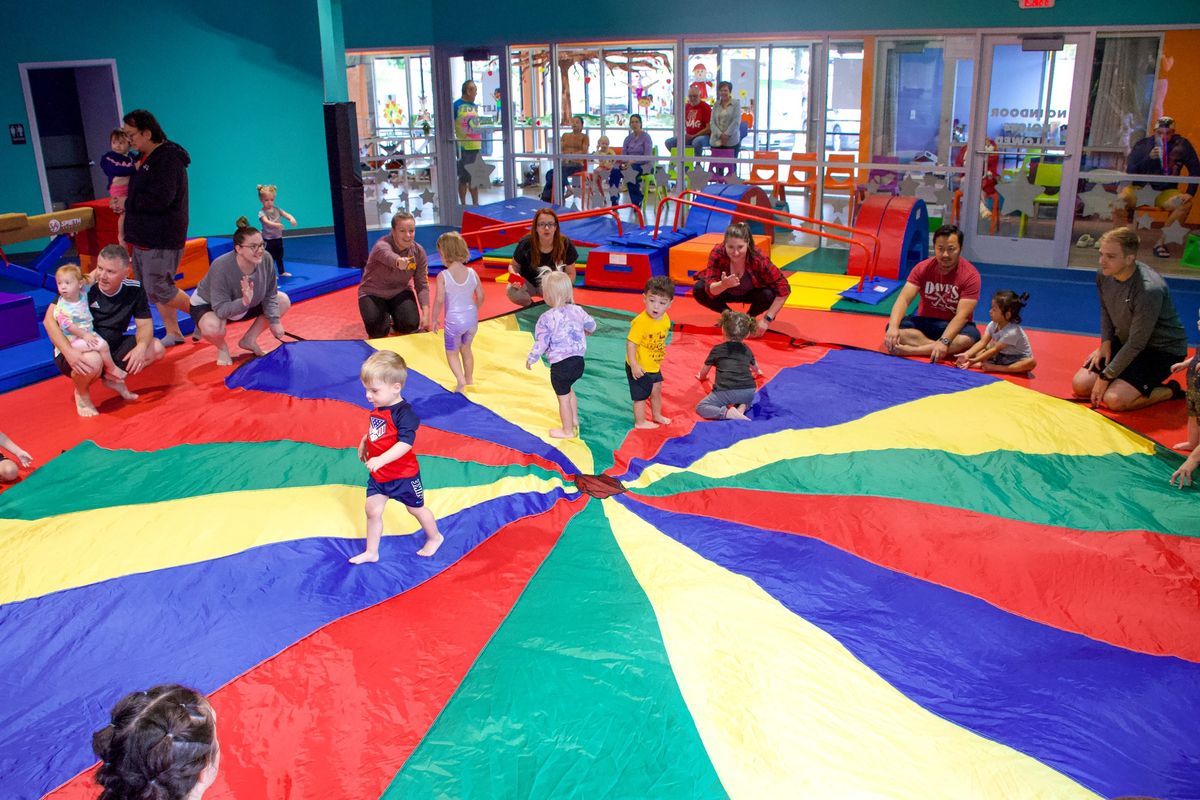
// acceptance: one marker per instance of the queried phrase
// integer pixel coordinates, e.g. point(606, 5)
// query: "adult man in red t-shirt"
point(949, 288)
point(696, 116)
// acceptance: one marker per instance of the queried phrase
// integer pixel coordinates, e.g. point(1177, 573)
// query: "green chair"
point(689, 163)
point(1048, 176)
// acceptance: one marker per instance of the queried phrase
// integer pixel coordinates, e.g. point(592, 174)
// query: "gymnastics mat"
point(816, 290)
point(873, 292)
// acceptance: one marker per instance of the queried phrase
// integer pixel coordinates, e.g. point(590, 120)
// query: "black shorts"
point(403, 490)
point(641, 388)
point(466, 157)
point(933, 329)
point(196, 312)
point(123, 346)
point(563, 374)
point(1149, 369)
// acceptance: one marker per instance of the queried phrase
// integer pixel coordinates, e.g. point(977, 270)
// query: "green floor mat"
point(824, 259)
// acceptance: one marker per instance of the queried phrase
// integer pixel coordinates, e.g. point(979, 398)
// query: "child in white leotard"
point(459, 291)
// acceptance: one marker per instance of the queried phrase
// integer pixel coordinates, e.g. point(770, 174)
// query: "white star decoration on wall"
point(1097, 202)
point(481, 173)
point(1018, 194)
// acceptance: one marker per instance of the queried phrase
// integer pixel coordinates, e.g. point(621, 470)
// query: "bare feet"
point(83, 405)
point(432, 543)
point(661, 420)
point(1185, 445)
point(561, 433)
point(223, 358)
point(736, 413)
point(365, 557)
point(251, 345)
point(460, 387)
point(170, 340)
point(120, 388)
point(645, 425)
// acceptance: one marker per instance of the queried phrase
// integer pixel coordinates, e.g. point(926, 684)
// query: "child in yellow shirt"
point(645, 348)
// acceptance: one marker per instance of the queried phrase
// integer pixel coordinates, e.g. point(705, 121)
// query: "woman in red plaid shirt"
point(738, 273)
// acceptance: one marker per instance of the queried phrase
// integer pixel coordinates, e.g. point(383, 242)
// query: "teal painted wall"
point(474, 22)
point(237, 84)
point(369, 24)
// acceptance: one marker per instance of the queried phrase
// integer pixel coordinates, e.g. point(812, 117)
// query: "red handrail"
point(809, 231)
point(872, 261)
point(873, 258)
point(572, 215)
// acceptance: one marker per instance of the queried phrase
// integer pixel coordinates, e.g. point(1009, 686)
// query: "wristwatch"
point(768, 318)
point(944, 341)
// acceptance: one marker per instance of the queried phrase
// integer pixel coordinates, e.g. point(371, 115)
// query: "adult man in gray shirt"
point(1140, 333)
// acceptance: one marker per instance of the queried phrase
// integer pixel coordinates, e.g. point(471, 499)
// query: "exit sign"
point(1035, 3)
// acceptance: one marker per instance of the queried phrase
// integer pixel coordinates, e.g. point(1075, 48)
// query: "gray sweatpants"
point(714, 405)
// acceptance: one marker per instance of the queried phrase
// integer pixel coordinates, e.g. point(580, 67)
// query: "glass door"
point(393, 95)
point(1020, 207)
point(472, 102)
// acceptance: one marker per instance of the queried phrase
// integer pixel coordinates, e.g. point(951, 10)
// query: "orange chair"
point(802, 174)
point(765, 174)
point(842, 179)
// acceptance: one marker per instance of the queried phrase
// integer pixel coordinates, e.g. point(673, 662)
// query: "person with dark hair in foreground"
point(160, 744)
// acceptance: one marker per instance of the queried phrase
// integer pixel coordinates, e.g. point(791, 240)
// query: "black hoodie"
point(156, 210)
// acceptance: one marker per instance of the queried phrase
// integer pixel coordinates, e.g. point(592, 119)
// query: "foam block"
point(194, 264)
point(18, 320)
point(688, 258)
point(615, 267)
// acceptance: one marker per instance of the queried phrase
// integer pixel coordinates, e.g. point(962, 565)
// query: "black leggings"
point(759, 298)
point(275, 248)
point(379, 316)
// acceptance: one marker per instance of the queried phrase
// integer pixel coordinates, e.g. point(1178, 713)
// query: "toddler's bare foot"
point(365, 557)
point(645, 425)
point(120, 388)
point(736, 413)
point(661, 420)
point(223, 358)
point(251, 345)
point(1185, 445)
point(83, 405)
point(432, 543)
point(460, 386)
point(562, 433)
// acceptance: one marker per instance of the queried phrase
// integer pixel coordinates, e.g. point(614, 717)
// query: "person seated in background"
point(160, 744)
point(696, 116)
point(638, 148)
point(1165, 153)
point(575, 141)
point(725, 124)
point(949, 289)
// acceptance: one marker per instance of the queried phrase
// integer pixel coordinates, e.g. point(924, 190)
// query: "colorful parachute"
point(898, 580)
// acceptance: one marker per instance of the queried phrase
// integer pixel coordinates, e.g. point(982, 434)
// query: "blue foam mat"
point(30, 362)
point(873, 292)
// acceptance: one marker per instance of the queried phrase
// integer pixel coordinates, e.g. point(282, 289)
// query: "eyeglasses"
point(546, 225)
point(259, 246)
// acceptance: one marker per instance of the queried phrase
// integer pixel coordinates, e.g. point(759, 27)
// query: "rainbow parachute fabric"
point(898, 580)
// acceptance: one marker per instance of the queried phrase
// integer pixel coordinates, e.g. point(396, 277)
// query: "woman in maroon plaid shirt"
point(738, 273)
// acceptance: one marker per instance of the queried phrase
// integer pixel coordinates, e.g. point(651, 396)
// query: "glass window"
point(531, 97)
point(843, 96)
point(1121, 95)
point(908, 121)
point(785, 86)
point(393, 95)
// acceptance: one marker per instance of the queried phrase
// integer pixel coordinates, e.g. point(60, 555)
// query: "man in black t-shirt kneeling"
point(114, 302)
